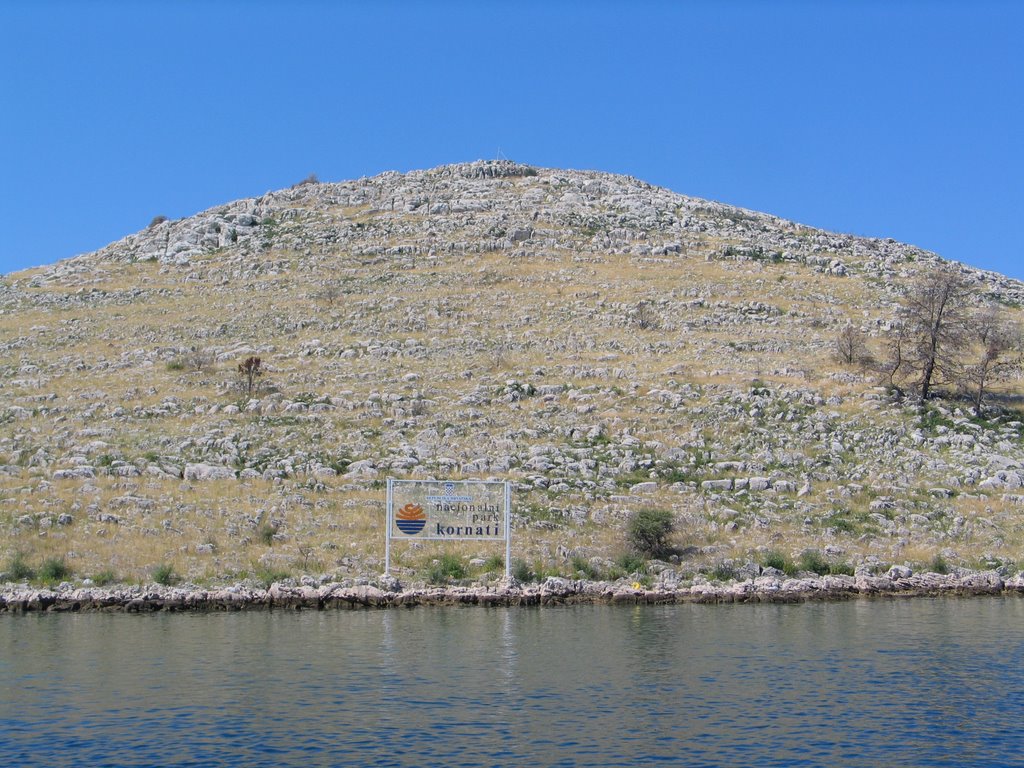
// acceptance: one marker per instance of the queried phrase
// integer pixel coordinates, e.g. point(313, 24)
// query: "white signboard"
point(448, 510)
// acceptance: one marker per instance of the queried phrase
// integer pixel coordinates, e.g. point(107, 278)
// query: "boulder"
point(203, 472)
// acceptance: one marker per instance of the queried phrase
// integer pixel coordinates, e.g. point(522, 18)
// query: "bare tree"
point(894, 365)
point(199, 359)
point(645, 316)
point(935, 318)
point(1000, 353)
point(330, 293)
point(852, 345)
point(250, 372)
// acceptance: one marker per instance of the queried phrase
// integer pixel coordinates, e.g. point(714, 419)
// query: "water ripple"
point(923, 683)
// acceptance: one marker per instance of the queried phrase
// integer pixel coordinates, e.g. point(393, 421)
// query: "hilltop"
point(604, 344)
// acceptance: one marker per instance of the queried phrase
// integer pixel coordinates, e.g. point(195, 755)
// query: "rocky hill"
point(605, 344)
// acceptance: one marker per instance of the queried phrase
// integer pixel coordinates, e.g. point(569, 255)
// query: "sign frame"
point(390, 518)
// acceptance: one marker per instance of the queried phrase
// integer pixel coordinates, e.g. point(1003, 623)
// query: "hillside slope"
point(605, 344)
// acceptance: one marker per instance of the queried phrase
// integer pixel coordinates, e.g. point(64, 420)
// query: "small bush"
point(630, 563)
point(494, 563)
point(305, 552)
point(447, 569)
point(812, 560)
point(841, 568)
point(646, 317)
point(54, 570)
point(775, 559)
point(648, 531)
point(104, 577)
point(939, 564)
point(723, 572)
point(198, 359)
point(19, 569)
point(164, 574)
point(582, 565)
point(522, 572)
point(311, 179)
point(266, 533)
point(266, 576)
point(176, 365)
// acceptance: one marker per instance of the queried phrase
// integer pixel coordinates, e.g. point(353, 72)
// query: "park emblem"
point(410, 519)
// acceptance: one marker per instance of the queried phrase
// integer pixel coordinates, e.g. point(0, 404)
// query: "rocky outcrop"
point(552, 591)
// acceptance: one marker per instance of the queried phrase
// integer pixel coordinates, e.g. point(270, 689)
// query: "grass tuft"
point(812, 560)
point(582, 566)
point(494, 563)
point(266, 533)
point(164, 574)
point(630, 563)
point(448, 568)
point(266, 576)
point(522, 572)
point(19, 569)
point(104, 578)
point(54, 570)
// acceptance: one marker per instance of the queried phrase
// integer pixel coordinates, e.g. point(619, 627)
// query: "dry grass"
point(480, 319)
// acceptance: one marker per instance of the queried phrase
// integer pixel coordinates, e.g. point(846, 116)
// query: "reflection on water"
point(917, 682)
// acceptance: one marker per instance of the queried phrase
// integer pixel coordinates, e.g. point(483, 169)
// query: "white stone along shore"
point(389, 593)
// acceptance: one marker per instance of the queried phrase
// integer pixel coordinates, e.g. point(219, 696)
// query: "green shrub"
point(841, 521)
point(495, 563)
point(176, 364)
point(648, 531)
point(812, 560)
point(842, 568)
point(582, 565)
point(630, 563)
point(266, 532)
point(775, 559)
point(723, 572)
point(266, 576)
point(522, 572)
point(939, 564)
point(104, 577)
point(164, 574)
point(54, 570)
point(19, 569)
point(448, 568)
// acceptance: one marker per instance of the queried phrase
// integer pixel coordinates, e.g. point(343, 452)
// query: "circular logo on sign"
point(410, 519)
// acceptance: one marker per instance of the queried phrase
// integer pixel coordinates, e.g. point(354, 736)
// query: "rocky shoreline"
point(388, 593)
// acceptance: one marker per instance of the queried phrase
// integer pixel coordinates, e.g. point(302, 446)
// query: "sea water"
point(921, 682)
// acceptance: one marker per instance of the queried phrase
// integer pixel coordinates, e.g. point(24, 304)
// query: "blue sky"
point(891, 119)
